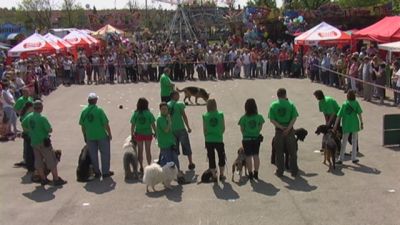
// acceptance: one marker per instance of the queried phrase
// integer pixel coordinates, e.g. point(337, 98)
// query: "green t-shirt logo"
point(141, 120)
point(281, 112)
point(348, 110)
point(90, 117)
point(213, 122)
point(252, 124)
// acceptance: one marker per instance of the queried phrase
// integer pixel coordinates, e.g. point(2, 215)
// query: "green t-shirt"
point(143, 121)
point(251, 126)
point(94, 120)
point(282, 111)
point(176, 109)
point(349, 114)
point(24, 116)
point(38, 127)
point(164, 139)
point(165, 83)
point(20, 103)
point(328, 106)
point(213, 122)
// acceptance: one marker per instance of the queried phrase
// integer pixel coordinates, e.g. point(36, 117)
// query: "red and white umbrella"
point(60, 42)
point(34, 45)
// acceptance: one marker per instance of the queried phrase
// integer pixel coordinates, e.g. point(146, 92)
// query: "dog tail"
point(177, 89)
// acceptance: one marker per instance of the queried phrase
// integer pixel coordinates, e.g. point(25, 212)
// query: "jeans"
point(29, 157)
point(169, 155)
point(247, 70)
point(182, 137)
point(396, 95)
point(104, 146)
point(354, 142)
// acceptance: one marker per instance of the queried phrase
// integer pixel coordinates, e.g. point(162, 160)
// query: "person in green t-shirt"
point(97, 135)
point(283, 114)
point(28, 155)
point(328, 106)
point(179, 120)
point(251, 125)
point(166, 140)
point(167, 87)
point(142, 121)
point(352, 122)
point(21, 101)
point(39, 129)
point(214, 128)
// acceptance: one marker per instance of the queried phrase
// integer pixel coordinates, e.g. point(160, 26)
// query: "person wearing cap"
point(38, 128)
point(167, 86)
point(97, 135)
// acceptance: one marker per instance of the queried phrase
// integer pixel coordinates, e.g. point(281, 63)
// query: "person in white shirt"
point(246, 64)
point(8, 101)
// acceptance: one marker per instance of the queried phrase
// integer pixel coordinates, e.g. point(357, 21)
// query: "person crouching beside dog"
point(283, 115)
point(250, 125)
point(142, 123)
point(352, 122)
point(166, 140)
point(39, 128)
point(97, 135)
point(214, 128)
point(179, 120)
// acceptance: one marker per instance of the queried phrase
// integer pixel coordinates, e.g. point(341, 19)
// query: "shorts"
point(251, 147)
point(142, 137)
point(44, 155)
point(182, 137)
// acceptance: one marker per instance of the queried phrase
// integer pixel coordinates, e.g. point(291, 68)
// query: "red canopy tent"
point(385, 30)
point(34, 45)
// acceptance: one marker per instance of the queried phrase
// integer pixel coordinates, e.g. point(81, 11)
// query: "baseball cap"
point(92, 95)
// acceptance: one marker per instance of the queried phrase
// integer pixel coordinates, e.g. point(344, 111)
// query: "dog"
point(330, 144)
point(207, 176)
point(239, 164)
point(36, 178)
point(196, 92)
point(85, 169)
point(130, 159)
point(300, 134)
point(155, 174)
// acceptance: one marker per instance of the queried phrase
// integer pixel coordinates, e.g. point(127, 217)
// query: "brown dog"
point(239, 164)
point(330, 144)
point(195, 92)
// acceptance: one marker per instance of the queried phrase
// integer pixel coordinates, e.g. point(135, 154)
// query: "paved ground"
point(354, 194)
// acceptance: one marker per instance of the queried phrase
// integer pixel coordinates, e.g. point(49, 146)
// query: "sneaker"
point(44, 182)
point(20, 164)
point(356, 161)
point(222, 178)
point(339, 162)
point(59, 182)
point(97, 175)
point(255, 175)
point(294, 174)
point(192, 166)
point(109, 174)
point(250, 176)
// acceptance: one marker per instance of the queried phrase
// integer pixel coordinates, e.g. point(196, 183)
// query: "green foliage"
point(361, 3)
point(306, 4)
point(262, 3)
point(73, 15)
point(36, 14)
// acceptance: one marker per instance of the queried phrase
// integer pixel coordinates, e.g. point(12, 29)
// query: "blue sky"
point(102, 4)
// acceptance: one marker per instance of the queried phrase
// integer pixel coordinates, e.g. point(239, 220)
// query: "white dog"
point(130, 159)
point(155, 174)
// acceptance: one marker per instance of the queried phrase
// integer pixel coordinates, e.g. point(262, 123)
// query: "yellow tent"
point(108, 29)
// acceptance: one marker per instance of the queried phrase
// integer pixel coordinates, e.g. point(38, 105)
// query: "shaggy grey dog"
point(130, 159)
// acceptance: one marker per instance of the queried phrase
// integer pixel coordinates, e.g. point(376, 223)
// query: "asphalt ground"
point(364, 193)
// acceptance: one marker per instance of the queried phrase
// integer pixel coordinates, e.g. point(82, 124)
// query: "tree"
point(305, 4)
point(36, 13)
point(73, 14)
point(94, 10)
point(361, 3)
point(262, 3)
point(132, 5)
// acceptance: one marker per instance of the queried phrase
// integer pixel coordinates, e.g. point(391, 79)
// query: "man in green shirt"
point(283, 115)
point(20, 103)
point(167, 86)
point(179, 120)
point(97, 135)
point(328, 106)
point(39, 129)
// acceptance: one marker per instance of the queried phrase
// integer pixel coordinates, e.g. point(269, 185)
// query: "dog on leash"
point(36, 178)
point(130, 159)
point(85, 169)
point(300, 134)
point(155, 174)
point(239, 164)
point(330, 144)
point(195, 92)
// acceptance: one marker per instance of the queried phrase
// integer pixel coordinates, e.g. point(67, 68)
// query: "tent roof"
point(392, 46)
point(108, 29)
point(75, 37)
point(57, 40)
point(35, 43)
point(385, 30)
point(323, 32)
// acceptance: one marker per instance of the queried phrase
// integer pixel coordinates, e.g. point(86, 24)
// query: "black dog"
point(84, 170)
point(300, 134)
point(207, 177)
point(330, 144)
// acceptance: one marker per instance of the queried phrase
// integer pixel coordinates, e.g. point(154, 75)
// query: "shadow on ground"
point(224, 191)
point(100, 186)
point(174, 194)
point(40, 194)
